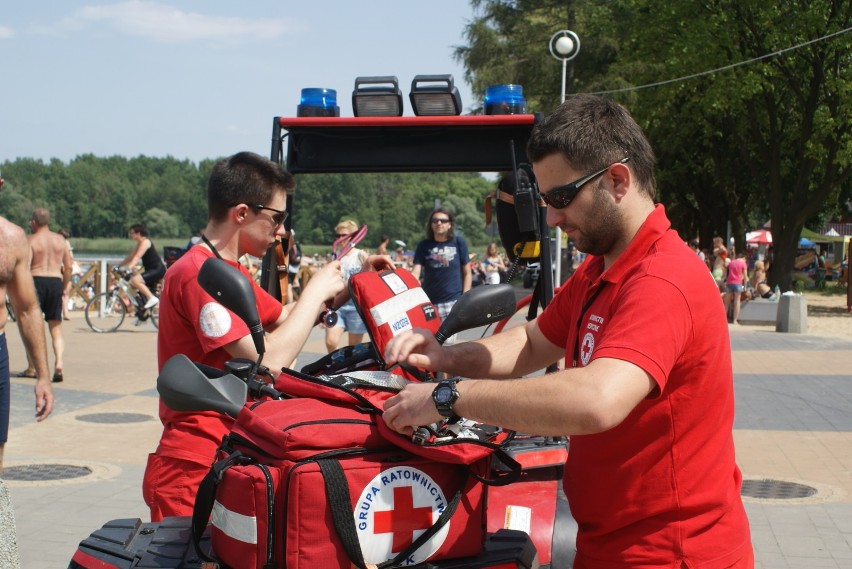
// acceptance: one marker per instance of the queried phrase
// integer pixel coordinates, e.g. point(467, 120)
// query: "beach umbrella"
point(759, 237)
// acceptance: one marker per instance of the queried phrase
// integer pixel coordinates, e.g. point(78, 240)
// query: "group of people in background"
point(442, 261)
point(730, 270)
point(492, 269)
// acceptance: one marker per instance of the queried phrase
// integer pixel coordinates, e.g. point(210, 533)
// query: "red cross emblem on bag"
point(394, 509)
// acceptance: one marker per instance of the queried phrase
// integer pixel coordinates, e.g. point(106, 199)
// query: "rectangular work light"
point(377, 97)
point(435, 95)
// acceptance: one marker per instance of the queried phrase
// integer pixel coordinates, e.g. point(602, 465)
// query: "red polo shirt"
point(662, 487)
point(193, 324)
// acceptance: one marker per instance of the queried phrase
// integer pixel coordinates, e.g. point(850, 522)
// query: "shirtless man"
point(51, 270)
point(16, 280)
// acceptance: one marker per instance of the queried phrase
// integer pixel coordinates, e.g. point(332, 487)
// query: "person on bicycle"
point(246, 197)
point(153, 268)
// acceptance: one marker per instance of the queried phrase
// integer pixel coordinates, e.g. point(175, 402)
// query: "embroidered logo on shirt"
point(593, 326)
point(586, 348)
point(214, 320)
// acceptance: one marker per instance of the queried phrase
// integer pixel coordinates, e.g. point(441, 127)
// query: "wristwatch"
point(445, 395)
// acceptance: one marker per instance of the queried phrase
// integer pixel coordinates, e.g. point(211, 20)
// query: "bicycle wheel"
point(10, 311)
point(155, 315)
point(105, 312)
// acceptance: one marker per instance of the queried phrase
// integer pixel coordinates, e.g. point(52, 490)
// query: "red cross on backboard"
point(403, 520)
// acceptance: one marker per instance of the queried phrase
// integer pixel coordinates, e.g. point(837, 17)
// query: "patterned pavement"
point(793, 424)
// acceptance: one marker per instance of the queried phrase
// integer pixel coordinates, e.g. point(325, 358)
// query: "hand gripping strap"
point(344, 516)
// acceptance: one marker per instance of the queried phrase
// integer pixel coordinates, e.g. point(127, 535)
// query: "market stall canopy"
point(817, 238)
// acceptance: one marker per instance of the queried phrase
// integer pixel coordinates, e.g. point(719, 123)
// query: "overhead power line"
point(726, 67)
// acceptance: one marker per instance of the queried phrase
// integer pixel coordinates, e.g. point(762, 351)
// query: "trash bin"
point(792, 314)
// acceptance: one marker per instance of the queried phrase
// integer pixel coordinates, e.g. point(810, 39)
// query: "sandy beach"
point(827, 315)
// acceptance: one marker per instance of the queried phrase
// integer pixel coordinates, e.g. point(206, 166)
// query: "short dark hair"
point(41, 217)
point(247, 178)
point(591, 132)
point(139, 228)
point(430, 233)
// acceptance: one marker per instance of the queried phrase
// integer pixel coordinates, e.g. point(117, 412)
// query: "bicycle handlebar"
point(122, 272)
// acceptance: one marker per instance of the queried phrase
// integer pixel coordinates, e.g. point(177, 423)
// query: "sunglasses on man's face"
point(562, 196)
point(278, 218)
point(437, 220)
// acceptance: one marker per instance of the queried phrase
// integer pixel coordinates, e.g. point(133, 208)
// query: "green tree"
point(161, 223)
point(769, 139)
point(765, 140)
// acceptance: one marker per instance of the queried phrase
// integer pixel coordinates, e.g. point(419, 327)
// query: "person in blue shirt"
point(442, 263)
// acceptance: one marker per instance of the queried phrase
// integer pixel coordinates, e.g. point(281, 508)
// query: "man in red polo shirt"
point(246, 196)
point(648, 395)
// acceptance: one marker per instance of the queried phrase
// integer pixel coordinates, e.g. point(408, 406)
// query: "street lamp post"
point(564, 46)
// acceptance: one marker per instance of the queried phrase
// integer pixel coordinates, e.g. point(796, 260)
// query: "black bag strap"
point(205, 498)
point(337, 492)
point(532, 311)
point(343, 516)
point(511, 467)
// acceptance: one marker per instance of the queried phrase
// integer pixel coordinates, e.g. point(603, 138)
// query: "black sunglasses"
point(440, 220)
point(560, 197)
point(278, 218)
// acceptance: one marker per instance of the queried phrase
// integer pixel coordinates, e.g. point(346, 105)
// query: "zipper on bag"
point(270, 516)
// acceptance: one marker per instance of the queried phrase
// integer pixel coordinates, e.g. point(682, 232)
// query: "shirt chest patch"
point(214, 320)
point(588, 334)
point(442, 256)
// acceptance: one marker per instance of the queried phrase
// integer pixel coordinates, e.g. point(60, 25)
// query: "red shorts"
point(170, 485)
point(747, 562)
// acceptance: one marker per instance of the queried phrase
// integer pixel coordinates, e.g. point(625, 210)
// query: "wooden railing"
point(97, 273)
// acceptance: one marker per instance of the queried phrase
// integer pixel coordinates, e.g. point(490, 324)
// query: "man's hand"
point(377, 263)
point(416, 347)
point(43, 400)
point(411, 408)
point(328, 281)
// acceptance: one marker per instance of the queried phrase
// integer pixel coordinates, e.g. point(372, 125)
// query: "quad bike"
point(534, 503)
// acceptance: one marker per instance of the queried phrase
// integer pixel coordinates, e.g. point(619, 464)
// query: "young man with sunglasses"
point(648, 398)
point(246, 196)
point(443, 262)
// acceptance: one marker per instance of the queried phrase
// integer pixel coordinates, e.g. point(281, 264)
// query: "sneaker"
point(152, 302)
point(137, 322)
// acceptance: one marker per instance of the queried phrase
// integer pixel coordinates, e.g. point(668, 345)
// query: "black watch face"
point(444, 395)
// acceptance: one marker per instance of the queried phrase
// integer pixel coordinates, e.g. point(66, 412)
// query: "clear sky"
point(200, 79)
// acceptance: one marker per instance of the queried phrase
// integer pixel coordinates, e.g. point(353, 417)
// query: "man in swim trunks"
point(51, 270)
